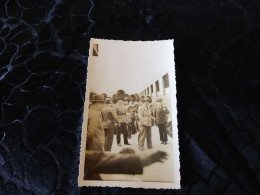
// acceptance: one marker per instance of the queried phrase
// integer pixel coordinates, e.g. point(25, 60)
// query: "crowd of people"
point(125, 115)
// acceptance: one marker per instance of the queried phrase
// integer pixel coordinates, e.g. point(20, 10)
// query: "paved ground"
point(162, 172)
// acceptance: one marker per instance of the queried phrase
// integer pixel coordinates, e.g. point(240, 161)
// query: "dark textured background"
point(43, 63)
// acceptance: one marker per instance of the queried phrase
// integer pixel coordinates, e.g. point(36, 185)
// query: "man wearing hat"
point(161, 120)
point(145, 124)
point(95, 132)
point(109, 119)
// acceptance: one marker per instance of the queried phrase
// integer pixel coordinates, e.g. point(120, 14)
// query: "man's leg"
point(165, 138)
point(115, 130)
point(133, 126)
point(129, 130)
point(125, 133)
point(137, 125)
point(106, 139)
point(110, 137)
point(149, 137)
point(118, 136)
point(142, 136)
point(161, 131)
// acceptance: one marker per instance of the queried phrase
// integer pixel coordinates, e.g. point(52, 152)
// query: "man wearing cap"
point(161, 120)
point(113, 100)
point(132, 115)
point(109, 119)
point(132, 99)
point(132, 109)
point(95, 132)
point(151, 108)
point(145, 124)
point(137, 104)
point(121, 114)
point(126, 103)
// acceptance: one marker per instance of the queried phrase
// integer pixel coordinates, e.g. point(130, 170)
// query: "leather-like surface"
point(43, 64)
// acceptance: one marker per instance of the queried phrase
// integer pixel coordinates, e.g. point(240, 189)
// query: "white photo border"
point(135, 184)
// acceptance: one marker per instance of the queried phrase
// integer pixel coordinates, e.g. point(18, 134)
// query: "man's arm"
point(98, 162)
point(113, 112)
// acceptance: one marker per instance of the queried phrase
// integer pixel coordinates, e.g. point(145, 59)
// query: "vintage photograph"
point(129, 132)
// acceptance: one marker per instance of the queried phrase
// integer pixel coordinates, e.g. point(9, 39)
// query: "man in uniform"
point(109, 119)
point(161, 120)
point(126, 103)
point(137, 104)
point(132, 99)
point(113, 100)
point(132, 115)
point(145, 124)
point(121, 114)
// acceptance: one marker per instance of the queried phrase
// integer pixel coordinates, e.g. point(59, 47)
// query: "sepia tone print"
point(130, 126)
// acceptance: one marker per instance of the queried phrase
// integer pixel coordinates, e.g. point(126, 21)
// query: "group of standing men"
point(124, 115)
point(148, 115)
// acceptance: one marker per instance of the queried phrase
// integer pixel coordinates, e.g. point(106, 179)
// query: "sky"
point(131, 66)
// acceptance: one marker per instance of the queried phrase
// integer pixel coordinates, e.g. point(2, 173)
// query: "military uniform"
point(109, 118)
point(128, 121)
point(138, 104)
point(132, 115)
point(121, 114)
point(161, 120)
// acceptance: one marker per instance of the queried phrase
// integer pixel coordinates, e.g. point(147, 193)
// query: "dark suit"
point(109, 118)
point(161, 119)
point(98, 162)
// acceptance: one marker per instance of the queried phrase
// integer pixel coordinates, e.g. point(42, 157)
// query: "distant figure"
point(132, 115)
point(95, 132)
point(137, 104)
point(113, 100)
point(121, 114)
point(150, 106)
point(145, 124)
point(161, 120)
point(126, 104)
point(109, 119)
point(132, 99)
